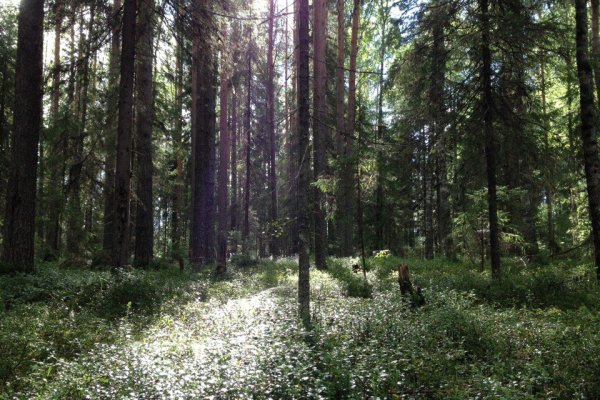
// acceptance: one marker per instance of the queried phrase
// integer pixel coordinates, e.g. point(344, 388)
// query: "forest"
point(299, 199)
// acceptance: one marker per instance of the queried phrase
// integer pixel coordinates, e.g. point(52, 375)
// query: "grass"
point(70, 334)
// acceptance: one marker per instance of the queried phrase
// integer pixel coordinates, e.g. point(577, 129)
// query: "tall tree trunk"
point(176, 216)
point(379, 195)
point(75, 220)
point(438, 112)
point(224, 147)
point(124, 134)
point(203, 135)
point(19, 222)
point(247, 116)
point(588, 126)
point(270, 88)
point(320, 130)
point(290, 159)
point(490, 145)
point(110, 140)
point(348, 172)
point(144, 220)
point(234, 147)
point(54, 199)
point(340, 121)
point(428, 137)
point(303, 162)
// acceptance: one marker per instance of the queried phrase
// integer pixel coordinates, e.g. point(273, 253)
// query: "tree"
point(438, 115)
point(144, 221)
point(380, 198)
point(55, 184)
point(19, 228)
point(348, 170)
point(246, 132)
point(320, 130)
point(120, 246)
point(303, 163)
point(224, 148)
point(74, 231)
point(588, 125)
point(203, 135)
point(110, 139)
point(177, 211)
point(274, 242)
point(487, 104)
point(340, 121)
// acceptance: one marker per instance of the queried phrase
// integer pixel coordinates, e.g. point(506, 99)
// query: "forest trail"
point(195, 336)
point(205, 348)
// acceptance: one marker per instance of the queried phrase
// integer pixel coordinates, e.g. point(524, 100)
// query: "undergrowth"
point(70, 334)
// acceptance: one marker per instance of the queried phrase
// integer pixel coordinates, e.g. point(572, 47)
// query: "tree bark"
point(270, 88)
point(110, 139)
point(490, 145)
point(438, 112)
point(348, 172)
point(234, 177)
point(247, 116)
point(379, 195)
point(303, 163)
point(120, 248)
point(54, 198)
point(176, 216)
point(588, 125)
point(320, 130)
point(203, 135)
point(340, 121)
point(144, 220)
point(224, 147)
point(19, 222)
point(75, 220)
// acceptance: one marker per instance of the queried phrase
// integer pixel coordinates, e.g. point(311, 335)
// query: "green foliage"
point(382, 254)
point(160, 333)
point(244, 261)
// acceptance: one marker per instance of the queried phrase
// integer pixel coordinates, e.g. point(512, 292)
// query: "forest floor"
point(70, 334)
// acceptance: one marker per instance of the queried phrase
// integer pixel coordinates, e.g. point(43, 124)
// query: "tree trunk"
point(110, 140)
point(144, 220)
point(120, 247)
point(428, 193)
point(54, 197)
point(303, 163)
point(234, 178)
point(222, 191)
point(438, 112)
point(348, 172)
point(274, 239)
point(19, 222)
point(247, 116)
point(320, 130)
point(176, 216)
point(490, 145)
point(588, 126)
point(203, 135)
point(340, 121)
point(75, 220)
point(379, 195)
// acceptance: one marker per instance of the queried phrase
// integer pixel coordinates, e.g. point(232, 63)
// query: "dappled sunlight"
point(239, 337)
